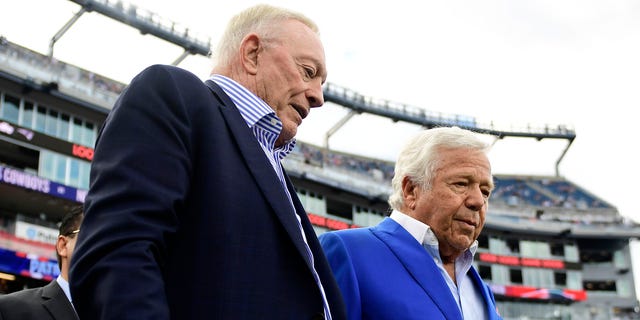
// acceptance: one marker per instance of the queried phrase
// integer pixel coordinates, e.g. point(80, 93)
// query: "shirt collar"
point(64, 285)
point(425, 236)
point(256, 113)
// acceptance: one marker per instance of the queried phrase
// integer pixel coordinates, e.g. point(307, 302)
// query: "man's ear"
point(61, 246)
point(250, 47)
point(409, 192)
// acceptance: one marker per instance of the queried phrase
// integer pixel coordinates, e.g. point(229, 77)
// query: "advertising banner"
point(28, 265)
point(29, 181)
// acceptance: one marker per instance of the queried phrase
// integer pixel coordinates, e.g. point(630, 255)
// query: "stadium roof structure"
point(395, 111)
point(143, 20)
point(150, 23)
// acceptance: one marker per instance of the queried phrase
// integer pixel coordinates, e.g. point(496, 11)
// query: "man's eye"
point(309, 72)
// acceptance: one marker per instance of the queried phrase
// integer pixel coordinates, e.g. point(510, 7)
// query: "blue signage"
point(25, 180)
point(28, 265)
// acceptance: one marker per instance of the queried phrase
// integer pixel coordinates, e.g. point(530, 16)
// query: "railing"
point(39, 70)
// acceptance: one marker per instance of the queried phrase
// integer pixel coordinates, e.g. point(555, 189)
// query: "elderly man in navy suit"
point(190, 214)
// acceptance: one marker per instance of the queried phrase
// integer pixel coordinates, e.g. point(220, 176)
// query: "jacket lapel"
point(56, 302)
point(487, 295)
point(260, 168)
point(419, 264)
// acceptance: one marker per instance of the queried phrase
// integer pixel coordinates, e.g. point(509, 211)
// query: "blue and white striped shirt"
point(266, 126)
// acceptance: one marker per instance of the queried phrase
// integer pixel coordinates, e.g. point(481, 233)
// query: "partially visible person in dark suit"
point(417, 263)
point(190, 214)
point(53, 301)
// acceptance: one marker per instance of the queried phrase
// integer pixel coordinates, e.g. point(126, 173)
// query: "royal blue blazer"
point(186, 218)
point(384, 273)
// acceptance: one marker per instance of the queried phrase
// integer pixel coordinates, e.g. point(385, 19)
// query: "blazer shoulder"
point(346, 234)
point(23, 299)
point(167, 75)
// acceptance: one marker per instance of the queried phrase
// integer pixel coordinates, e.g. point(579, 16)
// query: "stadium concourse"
point(550, 249)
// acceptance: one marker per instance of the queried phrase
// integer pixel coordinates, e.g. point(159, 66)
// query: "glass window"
point(574, 280)
point(624, 288)
point(51, 123)
point(85, 169)
point(620, 260)
point(571, 253)
point(10, 109)
point(41, 119)
point(63, 169)
point(47, 164)
point(27, 115)
point(63, 127)
point(74, 172)
point(543, 250)
point(78, 173)
point(76, 131)
point(499, 274)
point(497, 246)
point(535, 249)
point(88, 136)
point(537, 277)
point(528, 248)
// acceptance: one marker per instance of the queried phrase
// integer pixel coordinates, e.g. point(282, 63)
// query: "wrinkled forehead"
point(302, 42)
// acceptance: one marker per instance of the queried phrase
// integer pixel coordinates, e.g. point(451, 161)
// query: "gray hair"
point(261, 19)
point(419, 159)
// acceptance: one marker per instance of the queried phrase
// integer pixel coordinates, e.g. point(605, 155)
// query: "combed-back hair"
point(260, 19)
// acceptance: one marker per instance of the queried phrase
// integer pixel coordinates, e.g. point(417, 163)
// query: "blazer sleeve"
point(140, 176)
point(341, 264)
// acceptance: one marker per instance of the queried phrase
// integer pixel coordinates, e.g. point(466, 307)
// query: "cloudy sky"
point(513, 63)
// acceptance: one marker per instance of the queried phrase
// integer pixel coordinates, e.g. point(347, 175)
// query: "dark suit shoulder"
point(18, 305)
point(158, 71)
point(24, 296)
point(47, 302)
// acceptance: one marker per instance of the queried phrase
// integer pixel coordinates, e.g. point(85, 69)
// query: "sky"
point(513, 63)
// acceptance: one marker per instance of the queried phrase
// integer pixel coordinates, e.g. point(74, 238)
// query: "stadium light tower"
point(143, 20)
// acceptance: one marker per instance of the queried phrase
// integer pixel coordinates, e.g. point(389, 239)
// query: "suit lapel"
point(486, 294)
point(419, 264)
point(260, 168)
point(56, 302)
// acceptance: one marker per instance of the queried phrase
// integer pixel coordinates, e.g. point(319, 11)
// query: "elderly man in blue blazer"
point(190, 214)
point(417, 263)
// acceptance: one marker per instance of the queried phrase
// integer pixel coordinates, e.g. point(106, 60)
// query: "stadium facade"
point(550, 249)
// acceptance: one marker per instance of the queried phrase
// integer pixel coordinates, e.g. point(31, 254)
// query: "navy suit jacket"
point(186, 218)
point(43, 303)
point(384, 273)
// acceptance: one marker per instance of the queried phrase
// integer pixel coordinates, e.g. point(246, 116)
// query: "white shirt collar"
point(421, 231)
point(417, 229)
point(65, 286)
